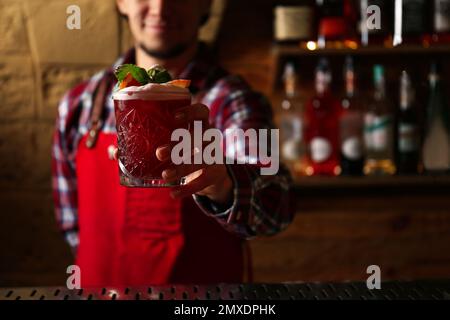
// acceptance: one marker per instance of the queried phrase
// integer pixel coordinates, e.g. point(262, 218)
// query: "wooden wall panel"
point(245, 41)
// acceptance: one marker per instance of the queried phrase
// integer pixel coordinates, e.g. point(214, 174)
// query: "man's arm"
point(261, 205)
point(64, 180)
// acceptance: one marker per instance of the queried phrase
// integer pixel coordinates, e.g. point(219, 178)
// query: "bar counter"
point(393, 290)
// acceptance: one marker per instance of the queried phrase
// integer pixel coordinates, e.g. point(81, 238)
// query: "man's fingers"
point(177, 172)
point(163, 152)
point(113, 153)
point(205, 179)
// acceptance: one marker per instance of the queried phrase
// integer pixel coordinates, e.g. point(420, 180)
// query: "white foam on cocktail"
point(152, 91)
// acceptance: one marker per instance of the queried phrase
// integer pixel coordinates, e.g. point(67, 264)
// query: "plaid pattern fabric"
point(262, 204)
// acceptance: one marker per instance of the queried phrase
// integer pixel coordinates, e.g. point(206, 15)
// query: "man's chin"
point(164, 53)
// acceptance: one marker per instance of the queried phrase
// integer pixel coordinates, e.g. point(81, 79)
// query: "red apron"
point(140, 236)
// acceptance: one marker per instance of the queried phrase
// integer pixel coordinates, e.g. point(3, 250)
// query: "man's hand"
point(212, 181)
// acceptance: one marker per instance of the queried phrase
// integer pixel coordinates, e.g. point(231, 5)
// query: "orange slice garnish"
point(179, 83)
point(129, 81)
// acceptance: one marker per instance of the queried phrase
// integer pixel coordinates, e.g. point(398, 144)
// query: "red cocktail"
point(145, 121)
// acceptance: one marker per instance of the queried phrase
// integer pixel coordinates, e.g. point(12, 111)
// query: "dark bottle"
point(436, 147)
point(351, 126)
point(411, 21)
point(336, 23)
point(322, 132)
point(408, 143)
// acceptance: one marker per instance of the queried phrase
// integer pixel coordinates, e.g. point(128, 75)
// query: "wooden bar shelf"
point(295, 50)
point(347, 181)
point(363, 185)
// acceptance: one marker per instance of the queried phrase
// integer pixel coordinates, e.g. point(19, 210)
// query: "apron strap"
point(97, 111)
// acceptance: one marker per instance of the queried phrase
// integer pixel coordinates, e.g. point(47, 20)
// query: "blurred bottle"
point(379, 129)
point(441, 21)
point(294, 21)
point(336, 24)
point(376, 22)
point(293, 150)
point(322, 132)
point(408, 147)
point(411, 20)
point(351, 126)
point(436, 148)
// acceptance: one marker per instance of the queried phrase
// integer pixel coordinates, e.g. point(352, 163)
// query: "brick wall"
point(40, 58)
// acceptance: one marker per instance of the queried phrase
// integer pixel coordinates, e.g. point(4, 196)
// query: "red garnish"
point(129, 81)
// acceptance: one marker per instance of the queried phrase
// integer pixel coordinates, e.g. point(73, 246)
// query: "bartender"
point(191, 234)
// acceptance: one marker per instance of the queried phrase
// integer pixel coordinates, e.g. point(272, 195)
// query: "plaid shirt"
point(261, 204)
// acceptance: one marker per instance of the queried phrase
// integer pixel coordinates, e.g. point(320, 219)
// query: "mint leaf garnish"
point(139, 74)
point(162, 77)
point(158, 74)
point(153, 71)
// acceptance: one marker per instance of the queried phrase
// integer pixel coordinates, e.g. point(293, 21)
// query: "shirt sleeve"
point(64, 181)
point(262, 204)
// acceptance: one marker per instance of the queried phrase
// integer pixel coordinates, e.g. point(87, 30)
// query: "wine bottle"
point(379, 130)
point(441, 21)
point(351, 126)
point(436, 148)
point(293, 150)
point(322, 133)
point(413, 18)
point(408, 144)
point(336, 24)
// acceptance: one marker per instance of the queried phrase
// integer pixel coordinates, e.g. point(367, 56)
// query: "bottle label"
point(291, 127)
point(320, 149)
point(292, 136)
point(408, 140)
point(294, 22)
point(292, 149)
point(442, 15)
point(323, 80)
point(352, 148)
point(436, 149)
point(376, 131)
